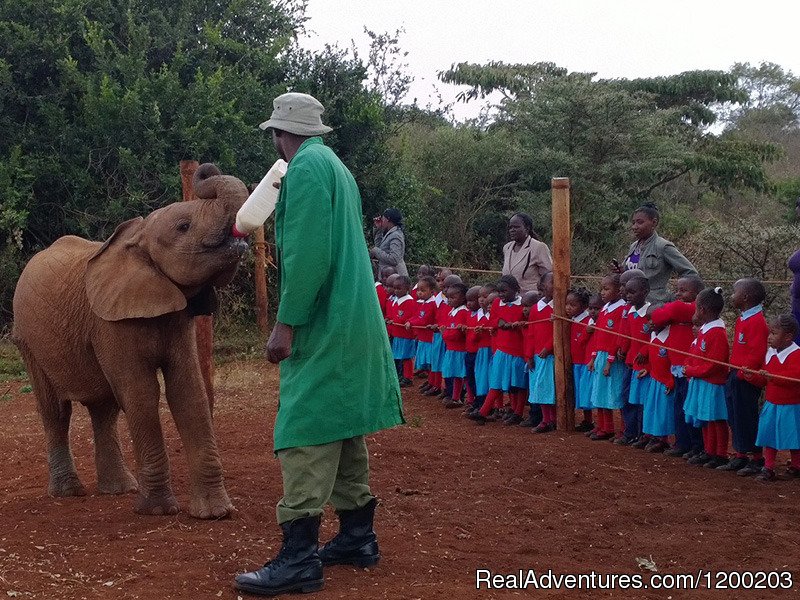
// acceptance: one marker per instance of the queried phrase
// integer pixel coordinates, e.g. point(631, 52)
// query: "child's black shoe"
point(734, 464)
point(752, 468)
point(584, 426)
point(675, 452)
point(715, 461)
point(766, 475)
point(700, 458)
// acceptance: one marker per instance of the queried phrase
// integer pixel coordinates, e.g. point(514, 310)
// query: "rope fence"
point(593, 277)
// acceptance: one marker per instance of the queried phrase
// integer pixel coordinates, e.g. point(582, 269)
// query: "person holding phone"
point(390, 241)
point(657, 257)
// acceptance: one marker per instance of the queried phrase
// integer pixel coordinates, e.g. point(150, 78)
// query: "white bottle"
point(261, 203)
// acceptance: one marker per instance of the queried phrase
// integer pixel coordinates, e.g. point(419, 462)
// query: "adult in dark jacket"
point(390, 241)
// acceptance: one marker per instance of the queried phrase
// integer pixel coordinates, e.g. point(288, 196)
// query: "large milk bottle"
point(261, 202)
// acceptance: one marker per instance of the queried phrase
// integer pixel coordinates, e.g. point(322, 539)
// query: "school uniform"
point(678, 316)
point(748, 350)
point(426, 315)
point(779, 421)
point(636, 326)
point(658, 415)
point(402, 310)
point(579, 350)
point(607, 391)
point(455, 340)
point(508, 365)
point(541, 379)
point(437, 346)
point(483, 355)
point(705, 400)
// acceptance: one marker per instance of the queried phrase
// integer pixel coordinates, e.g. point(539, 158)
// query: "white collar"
point(403, 299)
point(517, 301)
point(483, 314)
point(377, 283)
point(591, 320)
point(581, 316)
point(612, 307)
point(541, 304)
point(455, 311)
point(661, 336)
point(712, 325)
point(783, 354)
point(438, 298)
point(642, 312)
point(746, 314)
point(431, 299)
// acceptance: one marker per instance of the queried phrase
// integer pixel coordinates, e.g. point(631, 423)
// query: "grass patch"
point(11, 365)
point(237, 343)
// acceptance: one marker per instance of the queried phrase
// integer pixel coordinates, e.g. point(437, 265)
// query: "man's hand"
point(279, 345)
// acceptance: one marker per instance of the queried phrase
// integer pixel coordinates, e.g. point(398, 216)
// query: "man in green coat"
point(338, 381)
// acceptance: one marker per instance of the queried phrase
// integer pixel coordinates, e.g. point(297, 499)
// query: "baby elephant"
point(95, 322)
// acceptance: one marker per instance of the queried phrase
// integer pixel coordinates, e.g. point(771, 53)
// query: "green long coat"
point(340, 380)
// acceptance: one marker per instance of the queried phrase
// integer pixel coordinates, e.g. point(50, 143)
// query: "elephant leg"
point(137, 391)
point(113, 476)
point(186, 396)
point(55, 414)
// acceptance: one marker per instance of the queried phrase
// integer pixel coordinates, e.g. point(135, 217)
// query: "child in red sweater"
point(423, 323)
point(677, 317)
point(454, 367)
point(576, 308)
point(608, 370)
point(637, 326)
point(705, 400)
point(749, 349)
point(401, 310)
point(541, 376)
point(779, 422)
point(508, 366)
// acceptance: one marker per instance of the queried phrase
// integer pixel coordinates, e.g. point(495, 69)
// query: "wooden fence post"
point(203, 324)
point(562, 243)
point(262, 303)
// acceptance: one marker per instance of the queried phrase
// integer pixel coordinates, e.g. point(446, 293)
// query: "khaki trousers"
point(315, 475)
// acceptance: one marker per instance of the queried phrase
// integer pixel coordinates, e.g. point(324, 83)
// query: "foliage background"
point(101, 99)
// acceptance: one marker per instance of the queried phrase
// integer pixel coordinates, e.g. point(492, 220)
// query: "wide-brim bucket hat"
point(300, 114)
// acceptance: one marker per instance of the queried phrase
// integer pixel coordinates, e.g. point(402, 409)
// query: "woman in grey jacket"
point(654, 255)
point(390, 241)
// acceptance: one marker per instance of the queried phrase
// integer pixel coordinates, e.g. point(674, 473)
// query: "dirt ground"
point(454, 497)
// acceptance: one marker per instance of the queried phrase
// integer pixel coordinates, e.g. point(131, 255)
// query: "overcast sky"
point(615, 38)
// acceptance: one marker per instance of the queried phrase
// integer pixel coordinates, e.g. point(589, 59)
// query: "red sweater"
point(638, 327)
point(474, 338)
point(712, 344)
point(541, 334)
point(507, 340)
point(609, 321)
point(750, 341)
point(382, 295)
point(678, 315)
point(400, 312)
point(455, 339)
point(579, 339)
point(658, 364)
point(485, 338)
point(780, 391)
point(426, 315)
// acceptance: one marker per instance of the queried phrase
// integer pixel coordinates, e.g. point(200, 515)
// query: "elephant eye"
point(183, 227)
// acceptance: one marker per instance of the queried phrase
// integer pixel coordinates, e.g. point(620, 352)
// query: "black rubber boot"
point(296, 568)
point(356, 543)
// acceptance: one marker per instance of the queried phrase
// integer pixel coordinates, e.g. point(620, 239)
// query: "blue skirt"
point(658, 417)
point(542, 381)
point(437, 353)
point(639, 389)
point(779, 426)
point(704, 402)
point(454, 364)
point(483, 366)
point(607, 391)
point(583, 387)
point(507, 371)
point(403, 348)
point(424, 352)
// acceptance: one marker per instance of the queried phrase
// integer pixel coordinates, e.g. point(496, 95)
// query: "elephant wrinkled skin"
point(95, 322)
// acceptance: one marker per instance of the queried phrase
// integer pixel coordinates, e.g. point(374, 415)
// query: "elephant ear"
point(123, 283)
point(203, 303)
